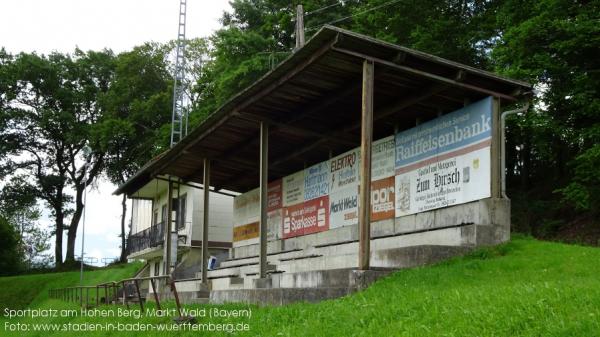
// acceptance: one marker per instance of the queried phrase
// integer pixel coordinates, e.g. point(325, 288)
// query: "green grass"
point(523, 288)
point(30, 290)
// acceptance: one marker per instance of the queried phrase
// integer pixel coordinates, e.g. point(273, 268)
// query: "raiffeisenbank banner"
point(445, 161)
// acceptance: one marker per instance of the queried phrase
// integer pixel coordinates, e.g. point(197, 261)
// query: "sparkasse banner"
point(445, 161)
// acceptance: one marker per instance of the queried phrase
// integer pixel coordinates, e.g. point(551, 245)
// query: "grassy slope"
point(30, 290)
point(524, 288)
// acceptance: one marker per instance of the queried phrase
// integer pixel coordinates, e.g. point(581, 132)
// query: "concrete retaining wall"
point(492, 213)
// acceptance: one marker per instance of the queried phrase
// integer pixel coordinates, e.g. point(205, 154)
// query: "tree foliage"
point(50, 107)
point(551, 154)
point(18, 207)
point(137, 109)
point(9, 249)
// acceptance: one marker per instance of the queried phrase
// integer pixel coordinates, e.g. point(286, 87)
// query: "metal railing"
point(150, 237)
point(120, 292)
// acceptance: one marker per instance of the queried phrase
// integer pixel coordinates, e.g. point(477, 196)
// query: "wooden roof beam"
point(404, 103)
point(295, 117)
point(428, 75)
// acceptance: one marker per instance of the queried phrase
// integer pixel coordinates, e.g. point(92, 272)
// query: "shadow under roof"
point(312, 102)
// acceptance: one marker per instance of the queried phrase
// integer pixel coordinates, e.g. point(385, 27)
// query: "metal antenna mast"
point(179, 119)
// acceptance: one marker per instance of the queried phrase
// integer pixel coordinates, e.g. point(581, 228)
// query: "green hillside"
point(31, 290)
point(524, 288)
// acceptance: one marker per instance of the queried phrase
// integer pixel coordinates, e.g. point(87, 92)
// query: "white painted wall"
point(220, 214)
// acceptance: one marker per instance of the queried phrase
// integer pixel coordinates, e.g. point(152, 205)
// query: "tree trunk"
point(72, 232)
point(526, 169)
point(123, 214)
point(59, 239)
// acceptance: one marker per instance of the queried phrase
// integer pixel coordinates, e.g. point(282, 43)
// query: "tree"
point(9, 249)
point(50, 107)
point(554, 44)
point(137, 105)
point(18, 206)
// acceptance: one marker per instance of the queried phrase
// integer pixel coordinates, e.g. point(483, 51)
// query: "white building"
point(149, 219)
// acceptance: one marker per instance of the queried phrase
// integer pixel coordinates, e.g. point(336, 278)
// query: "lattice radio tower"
point(179, 120)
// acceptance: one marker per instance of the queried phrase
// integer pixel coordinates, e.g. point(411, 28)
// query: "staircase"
point(318, 272)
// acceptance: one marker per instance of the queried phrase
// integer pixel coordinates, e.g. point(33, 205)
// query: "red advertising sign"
point(306, 218)
point(274, 195)
point(382, 199)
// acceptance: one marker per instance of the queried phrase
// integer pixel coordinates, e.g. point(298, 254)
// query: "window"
point(181, 211)
point(163, 216)
point(157, 268)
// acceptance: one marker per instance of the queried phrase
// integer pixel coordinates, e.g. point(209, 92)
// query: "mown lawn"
point(523, 288)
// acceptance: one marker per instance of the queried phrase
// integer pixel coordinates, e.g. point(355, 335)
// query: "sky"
point(44, 26)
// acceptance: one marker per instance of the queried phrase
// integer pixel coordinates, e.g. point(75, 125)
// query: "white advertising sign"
point(382, 158)
point(343, 196)
point(445, 161)
point(293, 189)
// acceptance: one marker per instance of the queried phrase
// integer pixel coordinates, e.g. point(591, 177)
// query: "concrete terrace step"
point(237, 270)
point(269, 254)
point(278, 296)
point(272, 258)
point(314, 279)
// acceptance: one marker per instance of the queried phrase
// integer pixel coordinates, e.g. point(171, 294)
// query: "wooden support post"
point(206, 182)
point(116, 293)
point(154, 291)
point(176, 296)
point(364, 206)
point(125, 301)
point(139, 294)
point(169, 228)
point(264, 176)
point(299, 27)
point(496, 169)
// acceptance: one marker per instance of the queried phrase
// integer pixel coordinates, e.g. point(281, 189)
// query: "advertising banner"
point(245, 232)
point(382, 158)
point(343, 195)
point(343, 207)
point(445, 161)
point(293, 189)
point(274, 209)
point(274, 224)
point(383, 199)
point(246, 214)
point(306, 218)
point(382, 179)
point(274, 195)
point(316, 181)
point(344, 171)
